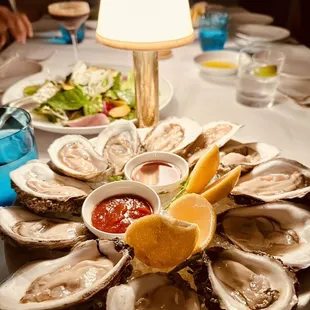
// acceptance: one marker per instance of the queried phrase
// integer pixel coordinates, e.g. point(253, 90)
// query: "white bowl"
point(171, 158)
point(226, 56)
point(114, 189)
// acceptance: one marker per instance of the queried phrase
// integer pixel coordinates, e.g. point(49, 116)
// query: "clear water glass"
point(258, 75)
point(213, 30)
point(17, 147)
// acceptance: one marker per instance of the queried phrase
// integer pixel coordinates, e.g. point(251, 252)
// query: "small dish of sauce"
point(164, 172)
point(158, 173)
point(114, 214)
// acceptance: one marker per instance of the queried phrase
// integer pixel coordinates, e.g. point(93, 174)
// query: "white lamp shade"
point(144, 24)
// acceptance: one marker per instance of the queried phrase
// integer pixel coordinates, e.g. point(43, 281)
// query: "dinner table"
point(202, 98)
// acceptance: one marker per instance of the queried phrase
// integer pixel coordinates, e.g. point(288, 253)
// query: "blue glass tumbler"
point(17, 147)
point(213, 30)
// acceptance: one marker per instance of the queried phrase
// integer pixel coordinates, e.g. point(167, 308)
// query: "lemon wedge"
point(223, 186)
point(196, 209)
point(266, 71)
point(204, 171)
point(162, 242)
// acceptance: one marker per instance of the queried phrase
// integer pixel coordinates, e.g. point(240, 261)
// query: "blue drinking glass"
point(213, 30)
point(17, 147)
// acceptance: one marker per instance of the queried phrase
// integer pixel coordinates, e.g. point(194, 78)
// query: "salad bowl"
point(17, 91)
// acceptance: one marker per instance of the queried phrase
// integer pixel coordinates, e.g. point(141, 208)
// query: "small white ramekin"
point(114, 189)
point(171, 158)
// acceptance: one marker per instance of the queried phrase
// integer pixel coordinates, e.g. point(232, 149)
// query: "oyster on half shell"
point(218, 133)
point(247, 155)
point(118, 143)
point(91, 267)
point(42, 190)
point(153, 292)
point(172, 135)
point(74, 156)
point(28, 229)
point(244, 281)
point(280, 229)
point(274, 180)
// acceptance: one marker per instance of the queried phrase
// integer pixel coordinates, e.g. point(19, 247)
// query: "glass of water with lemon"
point(258, 75)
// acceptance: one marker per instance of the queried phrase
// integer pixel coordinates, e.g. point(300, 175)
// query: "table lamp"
point(145, 27)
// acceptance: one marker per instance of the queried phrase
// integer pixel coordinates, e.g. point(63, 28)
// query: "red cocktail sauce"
point(116, 213)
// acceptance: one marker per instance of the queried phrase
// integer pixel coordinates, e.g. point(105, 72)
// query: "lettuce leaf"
point(68, 100)
point(93, 106)
point(129, 83)
point(125, 90)
point(53, 116)
point(132, 115)
point(127, 95)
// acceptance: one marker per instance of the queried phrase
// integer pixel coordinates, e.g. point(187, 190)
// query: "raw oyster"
point(243, 281)
point(28, 229)
point(118, 143)
point(280, 229)
point(41, 190)
point(172, 135)
point(152, 291)
point(218, 133)
point(247, 155)
point(92, 266)
point(274, 180)
point(74, 156)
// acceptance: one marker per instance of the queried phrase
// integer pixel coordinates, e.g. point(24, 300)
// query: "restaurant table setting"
point(157, 167)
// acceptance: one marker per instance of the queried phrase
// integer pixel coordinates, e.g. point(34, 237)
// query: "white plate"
point(263, 33)
point(296, 69)
point(250, 18)
point(16, 92)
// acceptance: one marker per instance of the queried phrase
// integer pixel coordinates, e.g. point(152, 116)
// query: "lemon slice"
point(195, 209)
point(223, 186)
point(266, 71)
point(204, 171)
point(162, 242)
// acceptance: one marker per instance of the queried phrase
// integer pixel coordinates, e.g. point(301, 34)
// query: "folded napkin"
point(296, 90)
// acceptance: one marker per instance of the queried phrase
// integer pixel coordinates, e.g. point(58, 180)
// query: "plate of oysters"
point(178, 216)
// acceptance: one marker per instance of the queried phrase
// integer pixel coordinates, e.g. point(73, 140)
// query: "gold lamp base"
point(146, 86)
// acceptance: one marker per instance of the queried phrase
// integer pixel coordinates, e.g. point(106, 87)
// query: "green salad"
point(89, 96)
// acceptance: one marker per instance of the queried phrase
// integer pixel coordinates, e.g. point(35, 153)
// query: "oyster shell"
point(92, 266)
point(42, 190)
point(74, 156)
point(247, 155)
point(280, 229)
point(218, 133)
point(274, 180)
point(172, 135)
point(243, 281)
point(28, 229)
point(118, 143)
point(151, 291)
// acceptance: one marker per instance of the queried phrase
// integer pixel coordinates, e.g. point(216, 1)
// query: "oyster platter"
point(178, 216)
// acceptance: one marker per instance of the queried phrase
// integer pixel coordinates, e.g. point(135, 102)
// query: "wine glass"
point(71, 15)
